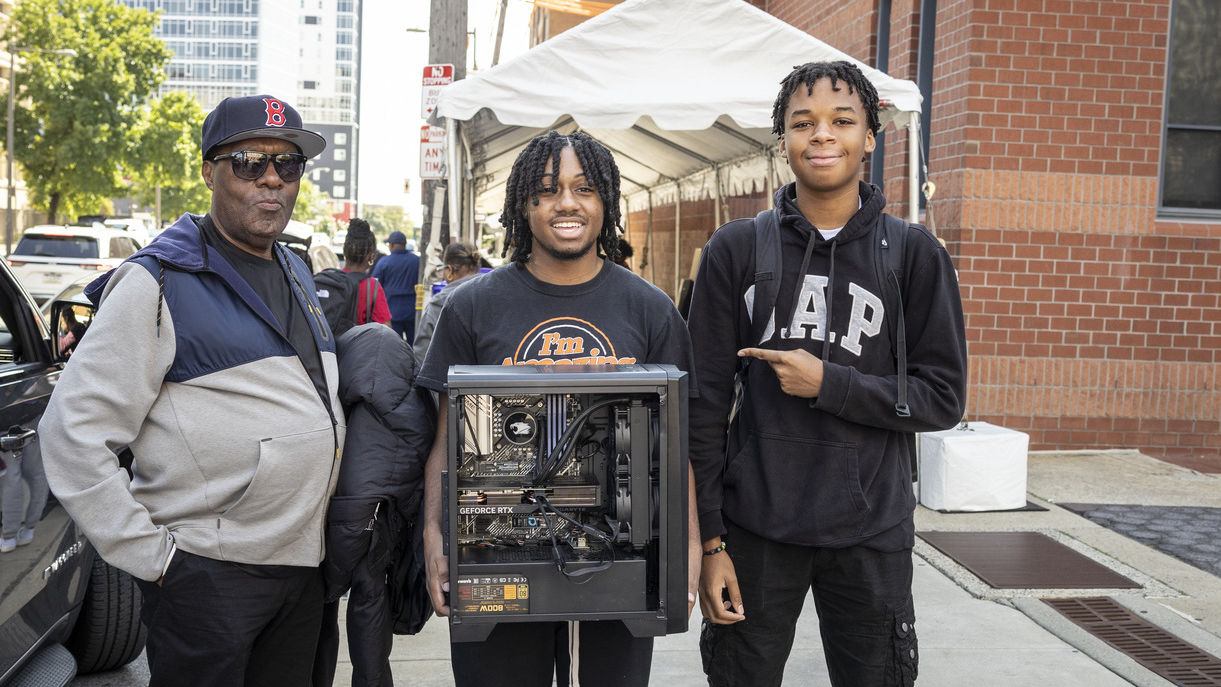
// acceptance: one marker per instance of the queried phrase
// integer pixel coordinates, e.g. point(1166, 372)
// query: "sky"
point(392, 64)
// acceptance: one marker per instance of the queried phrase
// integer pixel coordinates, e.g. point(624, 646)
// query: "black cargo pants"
point(865, 614)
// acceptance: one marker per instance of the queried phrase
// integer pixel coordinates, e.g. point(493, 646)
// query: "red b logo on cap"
point(275, 112)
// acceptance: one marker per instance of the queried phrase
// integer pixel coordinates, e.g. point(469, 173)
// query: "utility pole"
point(446, 45)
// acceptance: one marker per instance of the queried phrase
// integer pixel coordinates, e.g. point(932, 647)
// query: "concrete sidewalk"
point(969, 633)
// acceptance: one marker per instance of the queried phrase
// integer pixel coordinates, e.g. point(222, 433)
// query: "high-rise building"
point(307, 51)
point(328, 92)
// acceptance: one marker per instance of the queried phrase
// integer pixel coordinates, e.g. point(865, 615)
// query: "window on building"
point(341, 154)
point(1191, 174)
point(313, 19)
point(341, 175)
point(339, 192)
point(341, 138)
point(309, 85)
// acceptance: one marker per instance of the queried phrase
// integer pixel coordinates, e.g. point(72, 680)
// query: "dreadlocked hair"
point(360, 244)
point(809, 74)
point(526, 180)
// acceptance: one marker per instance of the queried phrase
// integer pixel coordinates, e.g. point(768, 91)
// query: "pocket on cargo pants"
point(906, 651)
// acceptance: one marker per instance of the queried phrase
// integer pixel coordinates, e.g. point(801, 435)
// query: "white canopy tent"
point(681, 91)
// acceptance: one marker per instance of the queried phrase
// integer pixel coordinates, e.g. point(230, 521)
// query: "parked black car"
point(63, 610)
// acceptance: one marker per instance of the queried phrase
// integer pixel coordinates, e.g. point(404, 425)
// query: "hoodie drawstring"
point(826, 339)
point(160, 294)
point(801, 279)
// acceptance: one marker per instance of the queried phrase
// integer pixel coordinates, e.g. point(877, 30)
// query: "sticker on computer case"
point(493, 594)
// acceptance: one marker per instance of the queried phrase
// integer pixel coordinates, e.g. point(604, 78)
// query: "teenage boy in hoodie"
point(209, 357)
point(562, 219)
point(817, 494)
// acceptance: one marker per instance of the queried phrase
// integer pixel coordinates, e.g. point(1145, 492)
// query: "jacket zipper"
point(377, 507)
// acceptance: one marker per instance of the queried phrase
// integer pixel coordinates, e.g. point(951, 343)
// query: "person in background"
point(625, 254)
point(461, 264)
point(18, 518)
point(210, 359)
point(72, 331)
point(370, 523)
point(398, 273)
point(359, 254)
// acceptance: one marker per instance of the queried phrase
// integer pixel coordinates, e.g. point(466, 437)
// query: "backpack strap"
point(767, 286)
point(893, 248)
point(889, 263)
point(767, 273)
point(370, 294)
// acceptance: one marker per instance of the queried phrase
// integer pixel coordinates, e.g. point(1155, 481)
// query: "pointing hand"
point(799, 372)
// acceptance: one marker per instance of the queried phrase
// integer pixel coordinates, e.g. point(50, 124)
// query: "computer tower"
point(565, 496)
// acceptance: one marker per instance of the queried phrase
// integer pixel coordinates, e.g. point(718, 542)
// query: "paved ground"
point(971, 634)
point(1188, 533)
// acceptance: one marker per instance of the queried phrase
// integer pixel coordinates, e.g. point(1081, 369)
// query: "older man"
point(210, 358)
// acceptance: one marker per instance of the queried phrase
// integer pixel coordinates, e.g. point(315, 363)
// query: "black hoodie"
point(834, 470)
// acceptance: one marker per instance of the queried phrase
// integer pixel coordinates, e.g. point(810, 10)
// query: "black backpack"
point(888, 263)
point(337, 294)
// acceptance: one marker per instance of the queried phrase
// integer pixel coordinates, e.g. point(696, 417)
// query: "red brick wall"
point(1091, 322)
point(697, 222)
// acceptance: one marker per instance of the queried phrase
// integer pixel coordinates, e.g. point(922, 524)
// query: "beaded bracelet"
point(712, 552)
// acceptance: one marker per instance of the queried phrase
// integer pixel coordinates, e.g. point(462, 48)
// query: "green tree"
point(77, 113)
point(314, 207)
point(165, 158)
point(388, 218)
point(175, 200)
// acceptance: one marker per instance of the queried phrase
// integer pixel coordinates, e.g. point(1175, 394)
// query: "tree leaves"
point(77, 114)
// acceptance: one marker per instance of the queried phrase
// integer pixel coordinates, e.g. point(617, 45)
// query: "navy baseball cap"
point(396, 237)
point(257, 116)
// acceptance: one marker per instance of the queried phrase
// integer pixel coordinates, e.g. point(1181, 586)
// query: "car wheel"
point(108, 632)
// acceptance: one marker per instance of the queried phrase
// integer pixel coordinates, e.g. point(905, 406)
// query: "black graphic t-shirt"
point(508, 317)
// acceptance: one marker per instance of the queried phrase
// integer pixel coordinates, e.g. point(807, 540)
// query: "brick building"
point(1076, 150)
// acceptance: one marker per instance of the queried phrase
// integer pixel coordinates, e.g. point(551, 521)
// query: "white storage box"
point(977, 468)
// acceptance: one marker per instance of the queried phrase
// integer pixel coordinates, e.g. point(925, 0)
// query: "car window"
point(8, 341)
point(121, 247)
point(52, 246)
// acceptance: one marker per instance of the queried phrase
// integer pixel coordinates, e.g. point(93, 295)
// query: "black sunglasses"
point(250, 165)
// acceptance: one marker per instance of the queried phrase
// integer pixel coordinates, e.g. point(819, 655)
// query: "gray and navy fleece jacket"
point(235, 451)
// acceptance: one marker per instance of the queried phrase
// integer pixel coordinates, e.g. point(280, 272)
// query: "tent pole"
point(913, 172)
point(716, 195)
point(468, 191)
point(648, 242)
point(678, 216)
point(626, 213)
point(454, 177)
point(767, 182)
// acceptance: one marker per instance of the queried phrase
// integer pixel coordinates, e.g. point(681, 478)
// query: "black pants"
point(865, 614)
point(529, 654)
point(218, 623)
point(370, 632)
